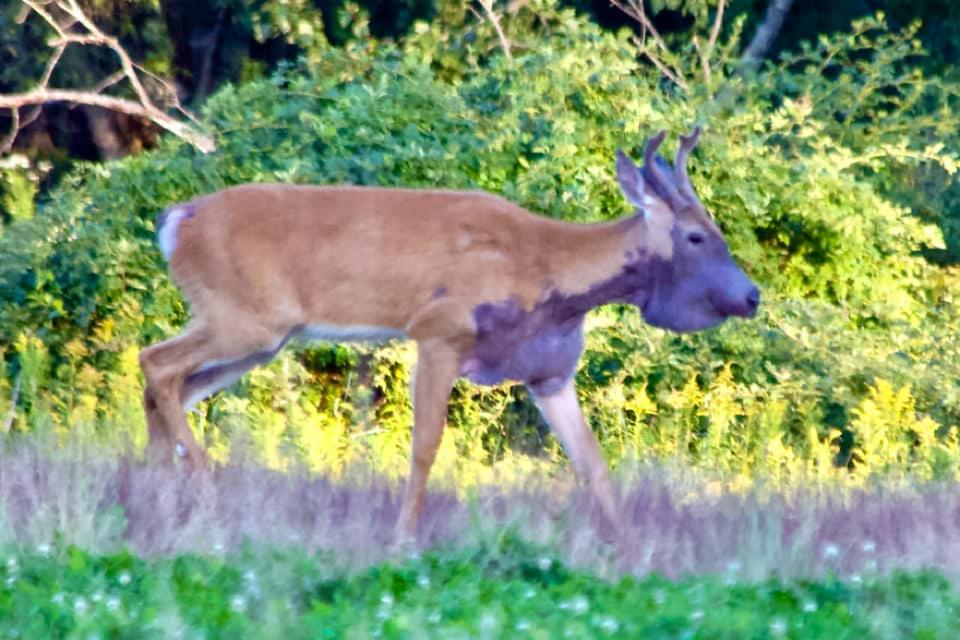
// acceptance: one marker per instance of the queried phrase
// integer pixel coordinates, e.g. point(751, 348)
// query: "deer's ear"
point(631, 180)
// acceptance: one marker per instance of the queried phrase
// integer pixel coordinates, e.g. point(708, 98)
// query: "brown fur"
point(354, 255)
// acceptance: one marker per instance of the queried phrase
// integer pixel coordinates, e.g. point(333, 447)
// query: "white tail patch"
point(167, 233)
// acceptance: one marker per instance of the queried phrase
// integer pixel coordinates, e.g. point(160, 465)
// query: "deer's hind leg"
point(184, 370)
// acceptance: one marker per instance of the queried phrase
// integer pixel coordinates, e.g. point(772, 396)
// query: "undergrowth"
point(505, 589)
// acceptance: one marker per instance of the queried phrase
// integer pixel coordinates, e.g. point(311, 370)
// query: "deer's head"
point(694, 283)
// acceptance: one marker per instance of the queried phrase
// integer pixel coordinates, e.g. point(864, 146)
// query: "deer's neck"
point(602, 263)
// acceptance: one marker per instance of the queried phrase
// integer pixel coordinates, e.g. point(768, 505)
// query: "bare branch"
point(514, 6)
point(715, 31)
point(635, 9)
point(42, 96)
point(90, 35)
point(34, 114)
point(7, 144)
point(51, 63)
point(664, 69)
point(125, 62)
point(495, 21)
point(45, 15)
point(109, 81)
point(704, 61)
point(70, 38)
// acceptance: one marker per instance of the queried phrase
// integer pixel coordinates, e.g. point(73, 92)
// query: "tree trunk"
point(766, 33)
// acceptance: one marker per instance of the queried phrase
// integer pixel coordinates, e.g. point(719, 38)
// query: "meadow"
point(794, 476)
point(97, 546)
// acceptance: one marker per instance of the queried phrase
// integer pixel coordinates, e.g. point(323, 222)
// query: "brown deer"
point(488, 290)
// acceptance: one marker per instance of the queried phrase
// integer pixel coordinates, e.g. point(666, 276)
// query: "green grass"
point(506, 588)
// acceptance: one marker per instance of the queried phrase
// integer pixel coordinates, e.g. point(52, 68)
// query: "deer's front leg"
point(562, 412)
point(437, 367)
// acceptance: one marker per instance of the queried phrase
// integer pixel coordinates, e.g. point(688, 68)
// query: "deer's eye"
point(695, 237)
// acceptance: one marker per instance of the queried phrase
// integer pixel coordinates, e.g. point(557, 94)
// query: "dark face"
point(700, 286)
point(694, 281)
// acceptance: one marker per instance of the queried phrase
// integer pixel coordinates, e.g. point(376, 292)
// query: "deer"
point(487, 290)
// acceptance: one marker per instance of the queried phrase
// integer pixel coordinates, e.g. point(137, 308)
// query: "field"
point(97, 546)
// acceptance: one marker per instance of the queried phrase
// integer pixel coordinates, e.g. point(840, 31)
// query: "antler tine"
point(652, 145)
point(651, 165)
point(687, 143)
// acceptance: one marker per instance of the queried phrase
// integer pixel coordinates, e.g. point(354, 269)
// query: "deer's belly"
point(349, 333)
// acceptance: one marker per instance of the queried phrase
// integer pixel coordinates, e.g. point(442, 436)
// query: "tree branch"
point(7, 144)
point(715, 31)
point(143, 107)
point(495, 21)
point(664, 69)
point(635, 9)
point(121, 105)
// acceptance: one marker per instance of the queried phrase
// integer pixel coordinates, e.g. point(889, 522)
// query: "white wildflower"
point(522, 625)
point(113, 603)
point(610, 625)
point(580, 605)
point(43, 549)
point(869, 546)
point(529, 593)
point(238, 603)
point(423, 581)
point(488, 622)
point(809, 606)
point(80, 606)
point(433, 617)
point(778, 628)
point(387, 600)
point(124, 578)
point(545, 563)
point(250, 581)
point(856, 579)
point(831, 551)
point(696, 615)
point(57, 598)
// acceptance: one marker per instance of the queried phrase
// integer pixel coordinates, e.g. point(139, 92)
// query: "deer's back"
point(352, 255)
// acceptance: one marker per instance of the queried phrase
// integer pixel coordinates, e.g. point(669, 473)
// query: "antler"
point(687, 143)
point(662, 181)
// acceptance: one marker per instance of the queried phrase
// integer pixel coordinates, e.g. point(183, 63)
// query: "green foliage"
point(868, 89)
point(506, 588)
point(804, 202)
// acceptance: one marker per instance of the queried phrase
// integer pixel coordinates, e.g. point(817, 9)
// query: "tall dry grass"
point(676, 522)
